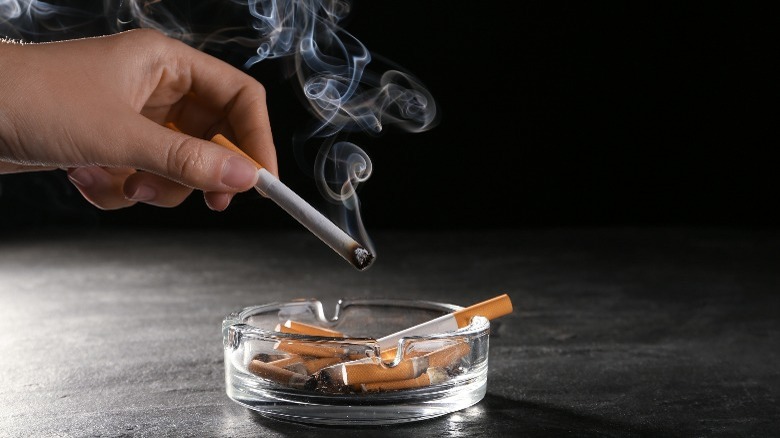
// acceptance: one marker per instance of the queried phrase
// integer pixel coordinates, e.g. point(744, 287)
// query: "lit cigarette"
point(432, 376)
point(270, 187)
point(299, 328)
point(281, 375)
point(490, 309)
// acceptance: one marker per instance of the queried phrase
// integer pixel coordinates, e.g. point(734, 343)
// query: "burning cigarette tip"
point(362, 258)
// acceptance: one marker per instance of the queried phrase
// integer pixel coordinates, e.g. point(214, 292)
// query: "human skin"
point(95, 107)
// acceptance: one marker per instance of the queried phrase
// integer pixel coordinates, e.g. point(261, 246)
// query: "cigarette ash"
point(363, 258)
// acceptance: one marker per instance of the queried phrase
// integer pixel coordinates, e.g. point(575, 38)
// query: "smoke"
point(38, 20)
point(330, 65)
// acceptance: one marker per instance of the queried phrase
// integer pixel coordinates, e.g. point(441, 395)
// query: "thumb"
point(190, 161)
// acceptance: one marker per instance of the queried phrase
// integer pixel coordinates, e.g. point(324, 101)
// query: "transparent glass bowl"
point(350, 380)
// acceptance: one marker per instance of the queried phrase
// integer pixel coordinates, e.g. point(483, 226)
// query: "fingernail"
point(143, 193)
point(81, 177)
point(239, 173)
point(219, 201)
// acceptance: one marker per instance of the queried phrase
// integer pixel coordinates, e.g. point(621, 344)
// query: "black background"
point(572, 113)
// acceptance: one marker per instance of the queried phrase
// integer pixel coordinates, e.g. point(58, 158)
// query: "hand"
point(96, 107)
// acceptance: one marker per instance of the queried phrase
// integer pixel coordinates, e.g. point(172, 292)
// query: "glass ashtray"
point(287, 361)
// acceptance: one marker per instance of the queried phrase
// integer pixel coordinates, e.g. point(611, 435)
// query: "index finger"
point(239, 96)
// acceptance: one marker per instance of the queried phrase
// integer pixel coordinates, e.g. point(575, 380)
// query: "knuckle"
point(250, 95)
point(259, 90)
point(186, 159)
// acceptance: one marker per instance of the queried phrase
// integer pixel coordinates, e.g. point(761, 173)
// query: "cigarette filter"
point(287, 361)
point(447, 356)
point(490, 309)
point(316, 350)
point(432, 376)
point(355, 373)
point(300, 328)
point(281, 375)
point(311, 366)
point(372, 369)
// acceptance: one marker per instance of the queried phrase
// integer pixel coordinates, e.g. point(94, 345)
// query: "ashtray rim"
point(237, 319)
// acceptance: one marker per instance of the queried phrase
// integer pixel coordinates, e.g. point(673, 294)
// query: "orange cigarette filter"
point(431, 376)
point(448, 356)
point(460, 349)
point(373, 371)
point(389, 354)
point(311, 366)
point(316, 350)
point(300, 328)
point(450, 322)
point(281, 375)
point(287, 361)
point(222, 141)
point(490, 309)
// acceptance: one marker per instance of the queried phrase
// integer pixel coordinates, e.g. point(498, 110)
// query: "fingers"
point(217, 201)
point(197, 118)
point(190, 161)
point(111, 188)
point(154, 190)
point(239, 97)
point(108, 121)
point(101, 187)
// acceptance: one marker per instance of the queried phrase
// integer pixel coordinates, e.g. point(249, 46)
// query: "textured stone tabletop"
point(616, 332)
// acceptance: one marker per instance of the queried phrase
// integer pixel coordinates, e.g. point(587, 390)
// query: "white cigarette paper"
point(270, 187)
point(490, 309)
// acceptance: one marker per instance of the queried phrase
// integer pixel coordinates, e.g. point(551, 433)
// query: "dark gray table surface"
point(616, 332)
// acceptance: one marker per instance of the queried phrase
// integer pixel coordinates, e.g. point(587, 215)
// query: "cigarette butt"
point(373, 371)
point(490, 309)
point(432, 376)
point(300, 328)
point(312, 366)
point(316, 350)
point(448, 356)
point(172, 127)
point(287, 361)
point(281, 375)
point(388, 354)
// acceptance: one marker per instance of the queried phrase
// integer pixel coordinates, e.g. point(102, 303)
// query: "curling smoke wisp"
point(331, 66)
